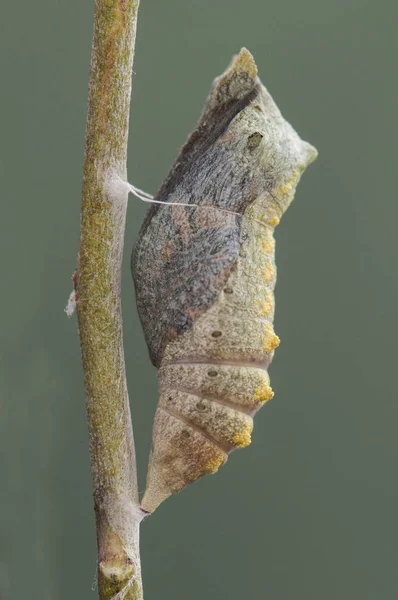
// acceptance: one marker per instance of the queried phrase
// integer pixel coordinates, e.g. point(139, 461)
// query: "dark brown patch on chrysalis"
point(183, 257)
point(199, 142)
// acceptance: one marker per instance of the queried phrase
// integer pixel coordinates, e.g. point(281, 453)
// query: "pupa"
point(205, 275)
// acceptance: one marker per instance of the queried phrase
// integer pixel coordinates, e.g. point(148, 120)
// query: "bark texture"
point(97, 286)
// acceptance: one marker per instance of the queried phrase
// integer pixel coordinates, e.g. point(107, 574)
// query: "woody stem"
point(97, 286)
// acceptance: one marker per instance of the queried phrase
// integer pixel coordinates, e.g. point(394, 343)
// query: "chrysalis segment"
point(205, 278)
point(207, 410)
point(212, 379)
point(244, 388)
point(180, 455)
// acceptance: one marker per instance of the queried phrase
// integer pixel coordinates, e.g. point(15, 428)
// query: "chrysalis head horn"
point(238, 80)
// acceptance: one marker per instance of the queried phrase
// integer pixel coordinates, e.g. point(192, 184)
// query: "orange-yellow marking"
point(274, 221)
point(268, 272)
point(263, 393)
point(263, 307)
point(243, 438)
point(213, 465)
point(271, 340)
point(267, 243)
point(288, 187)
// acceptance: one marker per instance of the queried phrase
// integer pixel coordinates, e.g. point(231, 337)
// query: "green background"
point(309, 510)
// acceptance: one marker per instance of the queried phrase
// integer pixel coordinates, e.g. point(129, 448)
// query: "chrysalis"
point(205, 274)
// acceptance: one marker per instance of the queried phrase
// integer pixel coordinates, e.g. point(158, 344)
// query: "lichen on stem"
point(97, 287)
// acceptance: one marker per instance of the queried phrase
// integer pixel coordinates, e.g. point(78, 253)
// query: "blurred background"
point(309, 510)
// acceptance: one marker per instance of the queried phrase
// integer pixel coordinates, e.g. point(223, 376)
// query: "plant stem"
point(97, 285)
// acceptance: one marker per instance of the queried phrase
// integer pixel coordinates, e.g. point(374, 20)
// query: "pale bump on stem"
point(97, 289)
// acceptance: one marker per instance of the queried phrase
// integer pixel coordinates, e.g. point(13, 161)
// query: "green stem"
point(97, 285)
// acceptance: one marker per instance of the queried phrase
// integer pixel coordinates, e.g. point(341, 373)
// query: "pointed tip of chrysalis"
point(239, 79)
point(312, 153)
point(242, 68)
point(155, 493)
point(243, 63)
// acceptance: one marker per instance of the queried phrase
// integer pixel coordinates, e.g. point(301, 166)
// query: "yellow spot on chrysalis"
point(262, 306)
point(243, 438)
point(286, 188)
point(269, 272)
point(271, 340)
point(267, 243)
point(263, 393)
point(213, 464)
point(261, 218)
point(274, 221)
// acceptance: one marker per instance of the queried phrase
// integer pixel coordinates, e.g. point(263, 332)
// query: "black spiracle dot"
point(228, 290)
point(212, 373)
point(201, 406)
point(216, 334)
point(185, 433)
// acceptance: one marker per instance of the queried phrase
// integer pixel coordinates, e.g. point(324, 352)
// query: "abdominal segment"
point(213, 378)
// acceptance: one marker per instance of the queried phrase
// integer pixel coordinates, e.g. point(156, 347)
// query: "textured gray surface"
point(242, 149)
